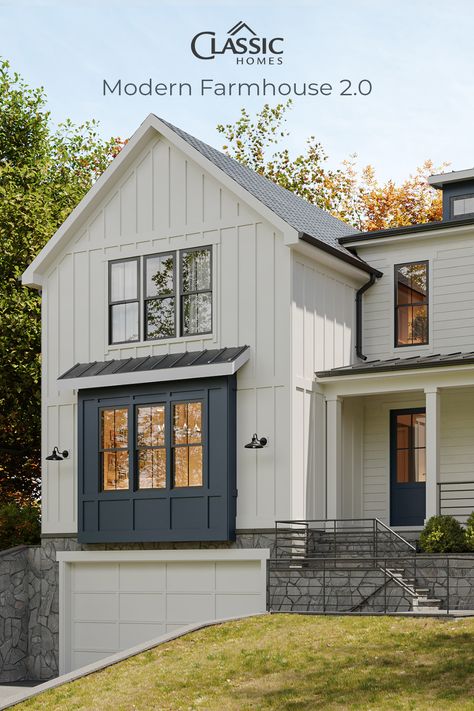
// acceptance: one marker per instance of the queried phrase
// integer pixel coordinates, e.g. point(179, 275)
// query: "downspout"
point(359, 293)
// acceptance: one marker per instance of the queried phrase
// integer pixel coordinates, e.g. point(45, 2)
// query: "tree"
point(44, 173)
point(354, 196)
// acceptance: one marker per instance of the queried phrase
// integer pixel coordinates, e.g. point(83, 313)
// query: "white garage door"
point(113, 600)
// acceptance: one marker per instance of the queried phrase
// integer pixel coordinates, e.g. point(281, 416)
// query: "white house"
point(189, 303)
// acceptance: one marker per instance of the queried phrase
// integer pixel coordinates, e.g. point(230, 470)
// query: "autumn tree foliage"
point(353, 195)
point(44, 173)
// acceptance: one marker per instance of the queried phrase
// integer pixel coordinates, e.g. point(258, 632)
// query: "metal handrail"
point(286, 528)
point(442, 488)
point(395, 534)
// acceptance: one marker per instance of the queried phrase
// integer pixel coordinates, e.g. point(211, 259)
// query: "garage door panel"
point(186, 608)
point(95, 606)
point(136, 607)
point(238, 576)
point(90, 576)
point(95, 636)
point(180, 575)
point(142, 576)
point(132, 633)
point(230, 605)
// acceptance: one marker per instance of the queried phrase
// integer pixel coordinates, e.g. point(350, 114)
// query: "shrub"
point(443, 534)
point(19, 525)
point(470, 532)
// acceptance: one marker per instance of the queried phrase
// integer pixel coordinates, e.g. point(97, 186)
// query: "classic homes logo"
point(242, 42)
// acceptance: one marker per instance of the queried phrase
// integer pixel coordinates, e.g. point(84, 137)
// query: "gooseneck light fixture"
point(57, 456)
point(256, 443)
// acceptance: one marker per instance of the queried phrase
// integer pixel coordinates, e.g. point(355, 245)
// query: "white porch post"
point(334, 457)
point(432, 450)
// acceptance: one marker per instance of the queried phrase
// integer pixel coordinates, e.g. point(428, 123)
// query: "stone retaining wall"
point(29, 595)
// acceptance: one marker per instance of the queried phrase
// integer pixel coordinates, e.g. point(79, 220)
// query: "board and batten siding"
point(451, 295)
point(456, 443)
point(167, 202)
point(323, 326)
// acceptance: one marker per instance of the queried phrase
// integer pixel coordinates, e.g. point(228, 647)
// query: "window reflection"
point(411, 304)
point(187, 444)
point(114, 449)
point(411, 451)
point(151, 447)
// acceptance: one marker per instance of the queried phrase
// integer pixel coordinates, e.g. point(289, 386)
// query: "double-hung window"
point(411, 304)
point(175, 299)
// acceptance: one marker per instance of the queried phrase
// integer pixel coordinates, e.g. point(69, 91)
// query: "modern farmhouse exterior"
point(188, 304)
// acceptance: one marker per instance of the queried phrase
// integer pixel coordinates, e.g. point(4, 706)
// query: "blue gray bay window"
point(157, 461)
point(172, 299)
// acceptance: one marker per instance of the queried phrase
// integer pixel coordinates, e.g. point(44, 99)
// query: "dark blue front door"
point(407, 467)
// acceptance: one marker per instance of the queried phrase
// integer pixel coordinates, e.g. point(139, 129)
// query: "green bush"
point(19, 525)
point(443, 534)
point(470, 532)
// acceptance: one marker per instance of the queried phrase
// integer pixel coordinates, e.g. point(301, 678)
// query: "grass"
point(289, 662)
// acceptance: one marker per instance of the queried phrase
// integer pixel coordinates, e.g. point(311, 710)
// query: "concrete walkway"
point(14, 688)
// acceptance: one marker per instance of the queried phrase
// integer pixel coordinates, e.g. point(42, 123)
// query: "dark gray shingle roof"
point(189, 359)
point(419, 361)
point(298, 213)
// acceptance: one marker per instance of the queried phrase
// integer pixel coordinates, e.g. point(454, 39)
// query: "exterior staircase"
point(346, 566)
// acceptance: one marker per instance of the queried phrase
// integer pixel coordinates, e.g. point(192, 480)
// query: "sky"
point(417, 54)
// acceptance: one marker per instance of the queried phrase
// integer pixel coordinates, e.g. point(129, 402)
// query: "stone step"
point(424, 602)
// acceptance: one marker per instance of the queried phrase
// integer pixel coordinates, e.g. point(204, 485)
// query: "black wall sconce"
point(58, 456)
point(256, 443)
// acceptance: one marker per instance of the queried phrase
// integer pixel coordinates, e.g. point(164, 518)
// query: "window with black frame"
point(411, 304)
point(160, 299)
point(124, 322)
point(176, 298)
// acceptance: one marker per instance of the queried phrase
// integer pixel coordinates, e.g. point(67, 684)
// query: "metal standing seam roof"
point(187, 359)
point(298, 213)
point(393, 364)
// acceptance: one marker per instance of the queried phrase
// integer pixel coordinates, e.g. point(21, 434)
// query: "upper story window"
point(411, 304)
point(462, 206)
point(174, 301)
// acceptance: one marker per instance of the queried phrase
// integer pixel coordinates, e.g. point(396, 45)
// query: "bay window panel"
point(151, 426)
point(195, 466)
point(115, 470)
point(180, 474)
point(152, 468)
point(115, 428)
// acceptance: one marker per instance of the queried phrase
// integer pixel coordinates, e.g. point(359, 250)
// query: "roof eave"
point(345, 256)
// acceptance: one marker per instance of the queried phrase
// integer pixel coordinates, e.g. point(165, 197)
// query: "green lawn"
point(289, 662)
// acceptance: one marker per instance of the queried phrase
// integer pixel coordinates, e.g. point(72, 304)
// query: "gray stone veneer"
point(29, 596)
point(29, 599)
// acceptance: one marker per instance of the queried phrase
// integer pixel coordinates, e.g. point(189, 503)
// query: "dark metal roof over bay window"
point(169, 366)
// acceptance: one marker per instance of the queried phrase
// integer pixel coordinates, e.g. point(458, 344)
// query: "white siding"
point(451, 289)
point(456, 443)
point(166, 202)
point(323, 319)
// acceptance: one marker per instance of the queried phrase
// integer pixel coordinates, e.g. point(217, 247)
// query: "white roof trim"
point(211, 370)
point(152, 125)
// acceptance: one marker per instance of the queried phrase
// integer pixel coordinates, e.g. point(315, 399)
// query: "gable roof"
point(313, 224)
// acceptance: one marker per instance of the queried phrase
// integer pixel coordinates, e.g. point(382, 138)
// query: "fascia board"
point(212, 370)
point(422, 235)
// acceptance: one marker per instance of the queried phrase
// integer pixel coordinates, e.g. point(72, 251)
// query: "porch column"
point(334, 457)
point(432, 450)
